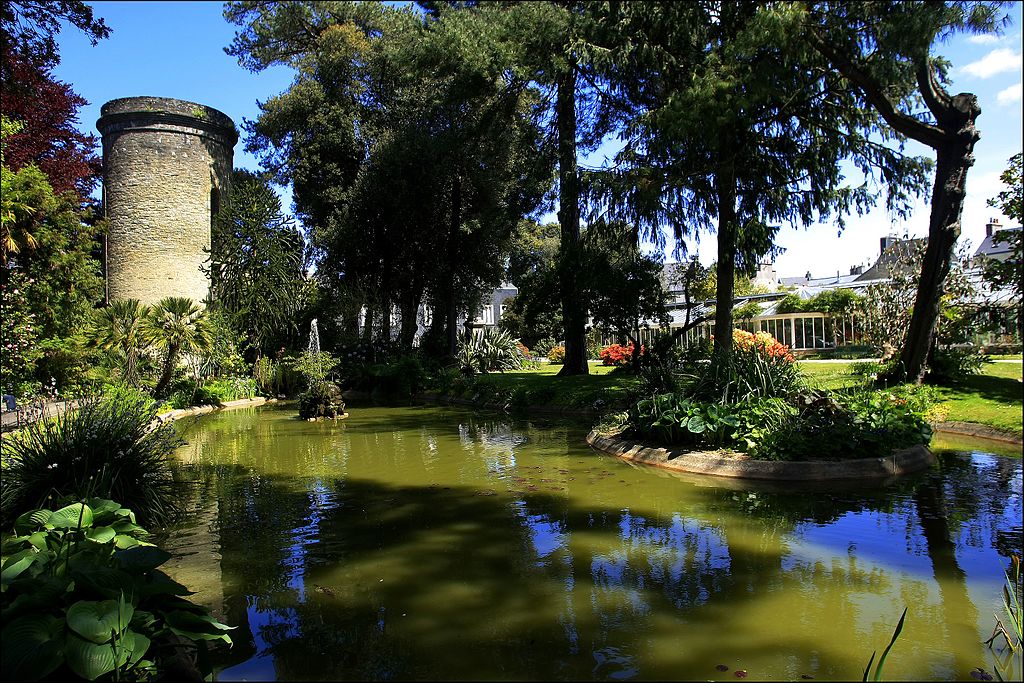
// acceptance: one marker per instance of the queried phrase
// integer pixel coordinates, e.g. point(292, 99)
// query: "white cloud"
point(995, 62)
point(984, 39)
point(1009, 95)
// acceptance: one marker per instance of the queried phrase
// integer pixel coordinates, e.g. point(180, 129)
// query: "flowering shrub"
point(523, 349)
point(619, 355)
point(19, 352)
point(616, 354)
point(556, 355)
point(763, 343)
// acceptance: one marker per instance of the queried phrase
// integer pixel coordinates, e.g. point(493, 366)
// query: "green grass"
point(992, 398)
point(542, 387)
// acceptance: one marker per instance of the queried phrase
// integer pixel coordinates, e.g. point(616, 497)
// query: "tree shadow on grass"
point(1002, 389)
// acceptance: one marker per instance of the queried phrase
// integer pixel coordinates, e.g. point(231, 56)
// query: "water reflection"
point(431, 543)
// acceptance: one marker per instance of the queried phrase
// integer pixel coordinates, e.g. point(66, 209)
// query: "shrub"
point(321, 400)
point(616, 354)
point(82, 596)
point(952, 365)
point(556, 355)
point(492, 350)
point(103, 448)
point(758, 366)
point(267, 374)
point(543, 346)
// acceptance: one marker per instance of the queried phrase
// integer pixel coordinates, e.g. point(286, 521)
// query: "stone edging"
point(977, 430)
point(179, 413)
point(732, 464)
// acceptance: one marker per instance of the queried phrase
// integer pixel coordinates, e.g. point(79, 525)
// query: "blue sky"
point(176, 49)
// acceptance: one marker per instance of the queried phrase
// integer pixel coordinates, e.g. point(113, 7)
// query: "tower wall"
point(166, 169)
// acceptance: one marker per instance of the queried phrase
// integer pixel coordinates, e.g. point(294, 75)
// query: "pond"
point(435, 543)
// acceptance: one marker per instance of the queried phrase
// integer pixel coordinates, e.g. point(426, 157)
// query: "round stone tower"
point(166, 169)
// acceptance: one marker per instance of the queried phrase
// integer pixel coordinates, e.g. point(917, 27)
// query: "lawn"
point(992, 398)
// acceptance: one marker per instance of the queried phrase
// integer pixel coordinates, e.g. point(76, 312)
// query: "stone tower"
point(166, 169)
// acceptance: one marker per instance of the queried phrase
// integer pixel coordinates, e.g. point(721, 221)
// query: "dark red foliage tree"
point(50, 138)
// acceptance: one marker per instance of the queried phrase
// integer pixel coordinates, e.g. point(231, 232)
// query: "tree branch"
point(925, 133)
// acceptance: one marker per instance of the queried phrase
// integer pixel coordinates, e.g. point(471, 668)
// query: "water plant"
point(877, 675)
point(105, 448)
point(1009, 658)
point(82, 595)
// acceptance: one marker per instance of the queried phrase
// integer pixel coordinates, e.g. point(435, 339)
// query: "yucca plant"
point(104, 448)
point(178, 325)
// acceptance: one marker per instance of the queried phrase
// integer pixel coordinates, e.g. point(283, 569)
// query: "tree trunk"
point(953, 159)
point(168, 372)
point(451, 310)
point(410, 304)
point(569, 262)
point(726, 268)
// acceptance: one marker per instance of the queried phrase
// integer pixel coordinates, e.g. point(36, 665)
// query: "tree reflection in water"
point(429, 543)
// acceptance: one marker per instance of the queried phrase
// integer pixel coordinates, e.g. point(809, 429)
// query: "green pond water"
point(435, 543)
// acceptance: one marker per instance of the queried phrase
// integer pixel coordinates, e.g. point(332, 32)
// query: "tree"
point(884, 52)
point(623, 285)
point(121, 329)
point(1006, 274)
point(536, 311)
point(28, 53)
point(427, 168)
point(731, 123)
point(178, 326)
point(256, 262)
point(29, 28)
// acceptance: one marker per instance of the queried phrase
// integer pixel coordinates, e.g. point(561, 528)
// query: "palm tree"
point(177, 325)
point(120, 327)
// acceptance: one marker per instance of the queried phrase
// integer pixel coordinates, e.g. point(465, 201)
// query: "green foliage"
point(836, 301)
point(256, 262)
point(176, 325)
point(493, 350)
point(83, 596)
point(953, 364)
point(19, 338)
point(104, 448)
point(315, 366)
point(267, 374)
point(222, 389)
point(805, 426)
point(877, 676)
point(120, 329)
point(1010, 659)
point(745, 372)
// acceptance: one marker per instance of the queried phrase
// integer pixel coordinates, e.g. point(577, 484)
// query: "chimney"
point(992, 226)
point(856, 270)
point(808, 276)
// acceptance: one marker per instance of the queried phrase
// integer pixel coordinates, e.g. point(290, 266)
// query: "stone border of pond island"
point(739, 465)
point(179, 413)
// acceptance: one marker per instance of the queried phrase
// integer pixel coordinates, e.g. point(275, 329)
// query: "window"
point(487, 315)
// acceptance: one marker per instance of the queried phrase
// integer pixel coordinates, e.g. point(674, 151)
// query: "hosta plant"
point(82, 596)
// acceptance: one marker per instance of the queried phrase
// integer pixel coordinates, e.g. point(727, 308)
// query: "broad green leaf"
point(196, 626)
point(68, 517)
point(95, 620)
point(140, 559)
point(101, 506)
point(695, 425)
point(101, 534)
point(124, 542)
point(31, 520)
point(32, 647)
point(16, 564)
point(92, 660)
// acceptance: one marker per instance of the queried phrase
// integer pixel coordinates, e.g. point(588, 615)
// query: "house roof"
point(990, 248)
